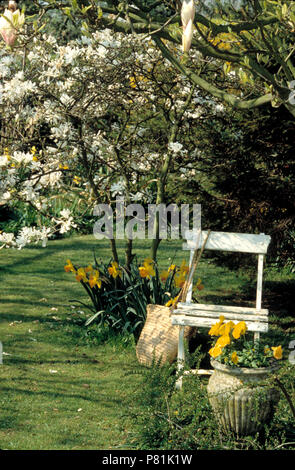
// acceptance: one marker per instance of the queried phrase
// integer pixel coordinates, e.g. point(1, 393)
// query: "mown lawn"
point(62, 388)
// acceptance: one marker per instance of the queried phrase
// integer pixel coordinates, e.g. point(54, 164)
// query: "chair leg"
point(180, 357)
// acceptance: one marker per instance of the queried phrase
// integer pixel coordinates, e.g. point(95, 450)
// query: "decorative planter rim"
point(244, 371)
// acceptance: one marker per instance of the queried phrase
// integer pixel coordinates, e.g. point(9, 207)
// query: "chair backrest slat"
point(227, 241)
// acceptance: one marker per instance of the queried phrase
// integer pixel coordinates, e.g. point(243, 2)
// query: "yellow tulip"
point(89, 269)
point(199, 285)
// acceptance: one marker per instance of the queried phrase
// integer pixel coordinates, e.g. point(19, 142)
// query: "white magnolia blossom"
point(187, 19)
point(175, 147)
point(7, 240)
point(10, 22)
point(118, 188)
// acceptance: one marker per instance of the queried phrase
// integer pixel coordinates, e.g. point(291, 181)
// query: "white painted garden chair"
point(204, 315)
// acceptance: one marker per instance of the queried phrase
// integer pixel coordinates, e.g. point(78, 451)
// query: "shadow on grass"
point(108, 402)
point(102, 250)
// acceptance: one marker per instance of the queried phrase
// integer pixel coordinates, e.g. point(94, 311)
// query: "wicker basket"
point(158, 340)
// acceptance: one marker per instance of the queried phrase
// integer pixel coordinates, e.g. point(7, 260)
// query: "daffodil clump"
point(87, 275)
point(233, 348)
point(90, 275)
point(119, 295)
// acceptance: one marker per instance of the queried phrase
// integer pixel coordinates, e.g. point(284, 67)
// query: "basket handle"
point(195, 261)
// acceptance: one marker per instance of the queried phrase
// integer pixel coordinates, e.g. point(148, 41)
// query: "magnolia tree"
point(24, 174)
point(254, 38)
point(100, 116)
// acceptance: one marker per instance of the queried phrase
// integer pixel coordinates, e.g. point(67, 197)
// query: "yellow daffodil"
point(69, 267)
point(77, 180)
point(149, 261)
point(277, 352)
point(172, 302)
point(89, 269)
point(114, 270)
point(147, 270)
point(179, 279)
point(239, 329)
point(171, 268)
point(234, 357)
point(81, 275)
point(184, 268)
point(94, 279)
point(164, 275)
point(198, 285)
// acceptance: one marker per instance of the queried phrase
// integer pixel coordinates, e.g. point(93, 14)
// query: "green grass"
point(62, 387)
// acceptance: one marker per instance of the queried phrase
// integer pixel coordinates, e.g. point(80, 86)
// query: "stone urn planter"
point(241, 400)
